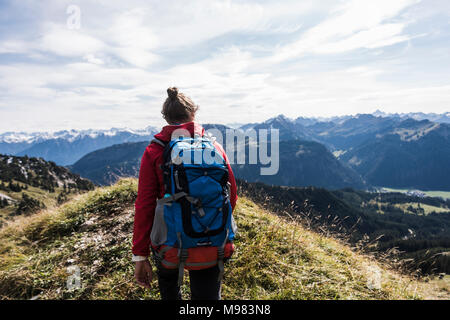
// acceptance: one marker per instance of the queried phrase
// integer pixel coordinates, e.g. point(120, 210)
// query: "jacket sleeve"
point(231, 179)
point(145, 206)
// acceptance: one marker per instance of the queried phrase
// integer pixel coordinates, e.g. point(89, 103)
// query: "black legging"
point(204, 284)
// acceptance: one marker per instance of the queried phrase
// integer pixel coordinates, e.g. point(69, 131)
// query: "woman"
point(179, 112)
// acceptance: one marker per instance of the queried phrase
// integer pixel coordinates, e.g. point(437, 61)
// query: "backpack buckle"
point(197, 203)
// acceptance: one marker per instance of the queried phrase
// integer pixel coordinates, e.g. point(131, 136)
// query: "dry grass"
point(280, 259)
point(276, 258)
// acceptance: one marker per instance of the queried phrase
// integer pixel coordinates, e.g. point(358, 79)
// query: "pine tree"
point(14, 187)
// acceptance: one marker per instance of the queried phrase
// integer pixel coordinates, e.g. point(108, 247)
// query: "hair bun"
point(172, 92)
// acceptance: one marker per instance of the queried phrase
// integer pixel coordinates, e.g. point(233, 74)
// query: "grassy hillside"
point(393, 220)
point(30, 184)
point(276, 258)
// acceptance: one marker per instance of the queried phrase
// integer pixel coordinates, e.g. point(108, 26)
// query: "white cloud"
point(357, 24)
point(68, 43)
point(239, 60)
point(13, 46)
point(91, 58)
point(379, 36)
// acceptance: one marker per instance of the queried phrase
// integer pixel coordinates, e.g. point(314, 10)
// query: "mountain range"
point(361, 151)
point(357, 152)
point(385, 151)
point(106, 166)
point(66, 147)
point(303, 163)
point(413, 154)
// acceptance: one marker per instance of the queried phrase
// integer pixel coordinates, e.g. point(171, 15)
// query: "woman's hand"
point(143, 273)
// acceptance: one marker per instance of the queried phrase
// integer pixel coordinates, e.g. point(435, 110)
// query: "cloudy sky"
point(105, 63)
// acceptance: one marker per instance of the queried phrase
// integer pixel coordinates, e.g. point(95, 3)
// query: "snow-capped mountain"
point(67, 146)
point(310, 121)
point(69, 135)
point(419, 116)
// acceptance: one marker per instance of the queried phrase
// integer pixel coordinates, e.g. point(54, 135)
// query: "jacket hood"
point(192, 127)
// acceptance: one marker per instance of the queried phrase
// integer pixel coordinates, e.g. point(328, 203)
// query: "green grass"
point(427, 208)
point(440, 194)
point(406, 207)
point(276, 258)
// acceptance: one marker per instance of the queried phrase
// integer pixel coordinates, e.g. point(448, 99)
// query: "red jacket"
point(151, 186)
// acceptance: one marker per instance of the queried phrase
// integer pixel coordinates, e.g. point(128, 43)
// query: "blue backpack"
point(195, 214)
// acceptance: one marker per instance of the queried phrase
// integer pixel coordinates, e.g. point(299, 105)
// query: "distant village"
point(416, 193)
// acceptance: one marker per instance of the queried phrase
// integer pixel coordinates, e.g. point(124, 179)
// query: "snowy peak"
point(69, 135)
point(67, 146)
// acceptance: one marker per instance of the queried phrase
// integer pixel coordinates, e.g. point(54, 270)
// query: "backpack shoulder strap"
point(160, 142)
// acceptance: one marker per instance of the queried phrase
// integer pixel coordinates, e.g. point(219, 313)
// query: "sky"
point(106, 63)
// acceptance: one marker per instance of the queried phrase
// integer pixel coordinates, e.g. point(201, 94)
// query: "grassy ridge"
point(275, 258)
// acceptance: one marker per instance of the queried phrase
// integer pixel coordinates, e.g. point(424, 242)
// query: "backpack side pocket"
point(158, 236)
